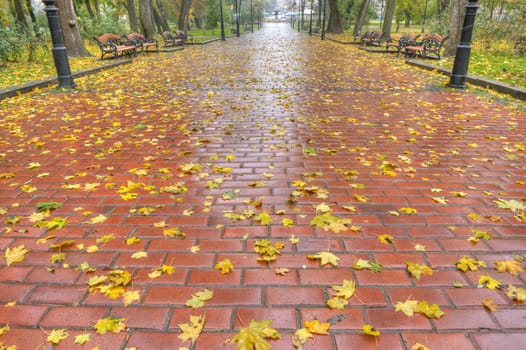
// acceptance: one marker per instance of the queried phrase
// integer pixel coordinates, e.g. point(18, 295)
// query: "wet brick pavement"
point(205, 142)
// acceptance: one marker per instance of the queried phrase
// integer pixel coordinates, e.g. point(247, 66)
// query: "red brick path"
point(275, 108)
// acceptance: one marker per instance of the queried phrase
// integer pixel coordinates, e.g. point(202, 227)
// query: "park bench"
point(430, 47)
point(141, 42)
point(371, 38)
point(401, 43)
point(113, 46)
point(171, 40)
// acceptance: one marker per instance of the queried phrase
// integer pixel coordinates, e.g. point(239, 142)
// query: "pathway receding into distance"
point(121, 200)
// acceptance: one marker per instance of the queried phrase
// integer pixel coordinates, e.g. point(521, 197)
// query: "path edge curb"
point(14, 90)
point(504, 88)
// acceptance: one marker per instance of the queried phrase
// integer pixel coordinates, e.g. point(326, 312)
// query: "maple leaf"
point(478, 234)
point(294, 240)
point(322, 208)
point(55, 258)
point(105, 238)
point(266, 250)
point(416, 270)
point(346, 290)
point(418, 346)
point(465, 263)
point(362, 199)
point(282, 271)
point(131, 296)
point(139, 255)
point(55, 223)
point(440, 200)
point(92, 249)
point(489, 304)
point(173, 232)
point(145, 211)
point(512, 204)
point(4, 330)
point(337, 303)
point(489, 282)
point(317, 327)
point(386, 239)
point(225, 266)
point(408, 211)
point(198, 299)
point(57, 335)
point(511, 266)
point(361, 264)
point(420, 247)
point(192, 330)
point(190, 168)
point(300, 337)
point(48, 206)
point(287, 222)
point(15, 255)
point(82, 338)
point(515, 293)
point(110, 324)
point(97, 219)
point(263, 218)
point(254, 336)
point(12, 220)
point(132, 240)
point(370, 330)
point(408, 307)
point(62, 244)
point(325, 258)
point(431, 311)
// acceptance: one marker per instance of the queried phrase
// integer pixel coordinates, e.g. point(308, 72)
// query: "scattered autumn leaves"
point(325, 216)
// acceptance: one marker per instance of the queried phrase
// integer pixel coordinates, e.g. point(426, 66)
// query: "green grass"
point(497, 63)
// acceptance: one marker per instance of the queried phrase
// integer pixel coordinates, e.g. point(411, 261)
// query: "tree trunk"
point(456, 20)
point(388, 20)
point(97, 8)
point(183, 15)
point(442, 6)
point(146, 16)
point(89, 9)
point(335, 24)
point(407, 19)
point(70, 31)
point(132, 16)
point(20, 13)
point(361, 18)
point(319, 12)
point(160, 11)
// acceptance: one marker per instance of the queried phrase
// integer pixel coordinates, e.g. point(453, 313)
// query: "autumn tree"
point(132, 15)
point(364, 8)
point(335, 22)
point(388, 20)
point(70, 31)
point(184, 14)
point(456, 19)
point(146, 18)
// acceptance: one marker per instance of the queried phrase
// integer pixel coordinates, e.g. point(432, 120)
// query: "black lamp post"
point(310, 20)
point(222, 20)
point(425, 13)
point(382, 14)
point(64, 77)
point(251, 19)
point(300, 16)
point(237, 10)
point(323, 20)
point(460, 66)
